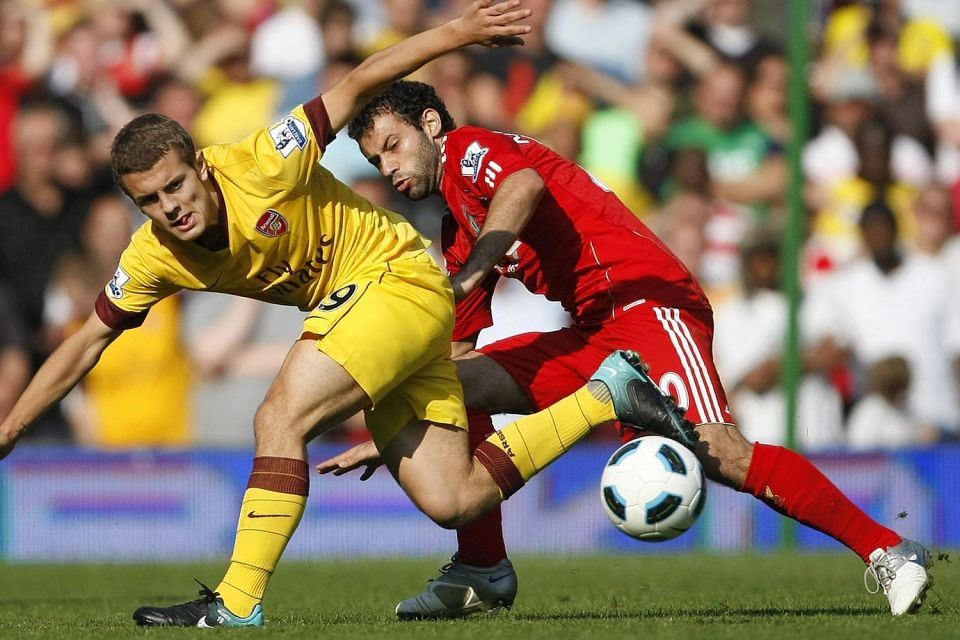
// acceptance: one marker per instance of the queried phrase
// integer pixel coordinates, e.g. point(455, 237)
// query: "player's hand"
point(493, 24)
point(7, 443)
point(362, 455)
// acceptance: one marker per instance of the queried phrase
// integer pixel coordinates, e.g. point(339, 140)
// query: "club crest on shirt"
point(272, 224)
point(472, 159)
point(289, 134)
point(115, 286)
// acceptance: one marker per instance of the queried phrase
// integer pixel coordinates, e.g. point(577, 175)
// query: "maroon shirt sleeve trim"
point(319, 121)
point(116, 318)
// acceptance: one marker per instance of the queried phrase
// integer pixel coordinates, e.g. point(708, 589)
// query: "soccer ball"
point(653, 489)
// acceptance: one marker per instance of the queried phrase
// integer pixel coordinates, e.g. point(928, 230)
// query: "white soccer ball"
point(653, 489)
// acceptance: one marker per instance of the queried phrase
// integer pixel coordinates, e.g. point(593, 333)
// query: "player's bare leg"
point(791, 485)
point(311, 393)
point(502, 464)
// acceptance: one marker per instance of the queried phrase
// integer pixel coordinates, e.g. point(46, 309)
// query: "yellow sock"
point(534, 441)
point(267, 520)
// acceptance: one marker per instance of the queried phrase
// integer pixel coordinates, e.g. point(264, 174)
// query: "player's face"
point(408, 155)
point(173, 195)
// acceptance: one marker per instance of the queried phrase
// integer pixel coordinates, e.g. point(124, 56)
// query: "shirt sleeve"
point(287, 152)
point(473, 313)
point(485, 158)
point(133, 290)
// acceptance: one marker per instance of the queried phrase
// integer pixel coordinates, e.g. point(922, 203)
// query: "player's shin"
point(790, 484)
point(521, 449)
point(272, 507)
point(480, 542)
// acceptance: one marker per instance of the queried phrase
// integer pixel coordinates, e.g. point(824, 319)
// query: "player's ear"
point(203, 170)
point(431, 122)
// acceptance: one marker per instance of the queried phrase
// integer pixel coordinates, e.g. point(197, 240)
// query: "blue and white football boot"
point(638, 400)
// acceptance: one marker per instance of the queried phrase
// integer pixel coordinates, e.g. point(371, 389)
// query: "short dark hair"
point(144, 140)
point(405, 99)
point(878, 211)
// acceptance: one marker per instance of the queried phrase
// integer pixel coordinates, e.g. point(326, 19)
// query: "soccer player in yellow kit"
point(263, 219)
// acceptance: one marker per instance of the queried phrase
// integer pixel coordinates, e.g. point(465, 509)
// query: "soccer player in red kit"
point(521, 211)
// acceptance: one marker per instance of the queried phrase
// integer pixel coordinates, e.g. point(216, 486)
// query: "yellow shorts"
point(390, 329)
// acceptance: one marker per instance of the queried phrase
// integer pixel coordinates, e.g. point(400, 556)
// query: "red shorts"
point(675, 343)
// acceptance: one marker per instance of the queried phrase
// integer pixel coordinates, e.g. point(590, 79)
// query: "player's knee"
point(446, 511)
point(271, 420)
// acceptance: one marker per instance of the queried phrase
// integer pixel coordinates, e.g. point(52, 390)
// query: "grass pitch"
point(774, 596)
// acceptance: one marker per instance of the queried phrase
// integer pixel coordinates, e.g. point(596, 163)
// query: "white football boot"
point(901, 571)
point(461, 590)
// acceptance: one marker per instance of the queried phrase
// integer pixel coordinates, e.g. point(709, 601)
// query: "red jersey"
point(582, 246)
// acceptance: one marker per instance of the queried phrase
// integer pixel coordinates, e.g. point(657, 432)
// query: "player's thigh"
point(431, 394)
point(310, 393)
point(544, 367)
point(392, 332)
point(489, 387)
point(678, 346)
point(434, 466)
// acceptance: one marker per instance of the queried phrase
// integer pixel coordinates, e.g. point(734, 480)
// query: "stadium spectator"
point(138, 41)
point(15, 365)
point(841, 201)
point(176, 99)
point(235, 100)
point(682, 220)
point(139, 393)
point(892, 302)
point(766, 101)
point(77, 78)
point(881, 419)
point(749, 347)
point(505, 80)
point(610, 35)
point(746, 167)
point(288, 47)
point(936, 233)
point(942, 93)
point(39, 221)
point(26, 52)
point(633, 118)
point(336, 26)
point(521, 89)
point(725, 26)
point(403, 19)
point(518, 210)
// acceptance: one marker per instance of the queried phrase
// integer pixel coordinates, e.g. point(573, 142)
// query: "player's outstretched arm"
point(485, 22)
point(511, 207)
point(59, 374)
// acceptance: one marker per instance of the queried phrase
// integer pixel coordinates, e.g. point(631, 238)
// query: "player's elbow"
point(531, 182)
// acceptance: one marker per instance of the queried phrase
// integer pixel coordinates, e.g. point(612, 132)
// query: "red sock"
point(791, 485)
point(480, 543)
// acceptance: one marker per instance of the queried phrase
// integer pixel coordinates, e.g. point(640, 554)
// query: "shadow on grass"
point(704, 613)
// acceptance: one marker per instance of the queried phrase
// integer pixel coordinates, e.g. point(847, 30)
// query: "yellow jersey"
point(291, 233)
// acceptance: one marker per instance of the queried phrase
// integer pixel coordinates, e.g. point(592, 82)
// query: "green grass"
point(684, 597)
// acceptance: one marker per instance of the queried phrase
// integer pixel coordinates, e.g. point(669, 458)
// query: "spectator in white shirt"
point(749, 342)
point(891, 302)
point(881, 420)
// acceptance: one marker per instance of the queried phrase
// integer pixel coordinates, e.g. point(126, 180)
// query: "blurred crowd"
point(679, 105)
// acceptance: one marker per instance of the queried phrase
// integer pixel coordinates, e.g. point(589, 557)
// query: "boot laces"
point(445, 569)
point(883, 574)
point(209, 596)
